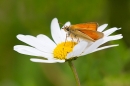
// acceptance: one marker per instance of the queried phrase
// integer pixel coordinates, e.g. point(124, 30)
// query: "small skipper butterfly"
point(87, 31)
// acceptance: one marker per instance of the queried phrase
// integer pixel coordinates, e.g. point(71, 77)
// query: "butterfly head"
point(67, 28)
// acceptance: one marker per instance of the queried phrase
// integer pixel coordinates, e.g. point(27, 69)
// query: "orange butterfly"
point(87, 31)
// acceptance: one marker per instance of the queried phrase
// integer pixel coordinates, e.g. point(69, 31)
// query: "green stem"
point(74, 72)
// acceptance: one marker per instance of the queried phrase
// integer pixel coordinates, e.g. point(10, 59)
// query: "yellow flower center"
point(62, 49)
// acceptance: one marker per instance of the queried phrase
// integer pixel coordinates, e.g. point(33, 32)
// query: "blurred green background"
point(110, 67)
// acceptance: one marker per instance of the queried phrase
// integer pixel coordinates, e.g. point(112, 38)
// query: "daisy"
point(62, 49)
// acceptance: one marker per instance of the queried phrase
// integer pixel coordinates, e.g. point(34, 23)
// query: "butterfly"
point(87, 31)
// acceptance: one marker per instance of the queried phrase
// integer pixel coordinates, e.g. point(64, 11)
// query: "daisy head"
point(62, 48)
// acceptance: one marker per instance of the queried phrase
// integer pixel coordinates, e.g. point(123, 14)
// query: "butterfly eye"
point(67, 28)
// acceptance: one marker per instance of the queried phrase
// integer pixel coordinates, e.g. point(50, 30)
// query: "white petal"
point(46, 61)
point(110, 31)
point(27, 39)
point(31, 51)
point(78, 49)
point(102, 27)
point(105, 47)
point(92, 47)
point(47, 45)
point(110, 38)
point(63, 32)
point(64, 35)
point(55, 31)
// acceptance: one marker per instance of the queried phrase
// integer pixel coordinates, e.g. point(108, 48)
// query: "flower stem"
point(74, 72)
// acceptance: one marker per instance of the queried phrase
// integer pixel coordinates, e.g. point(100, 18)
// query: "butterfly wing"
point(86, 26)
point(95, 35)
point(86, 31)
